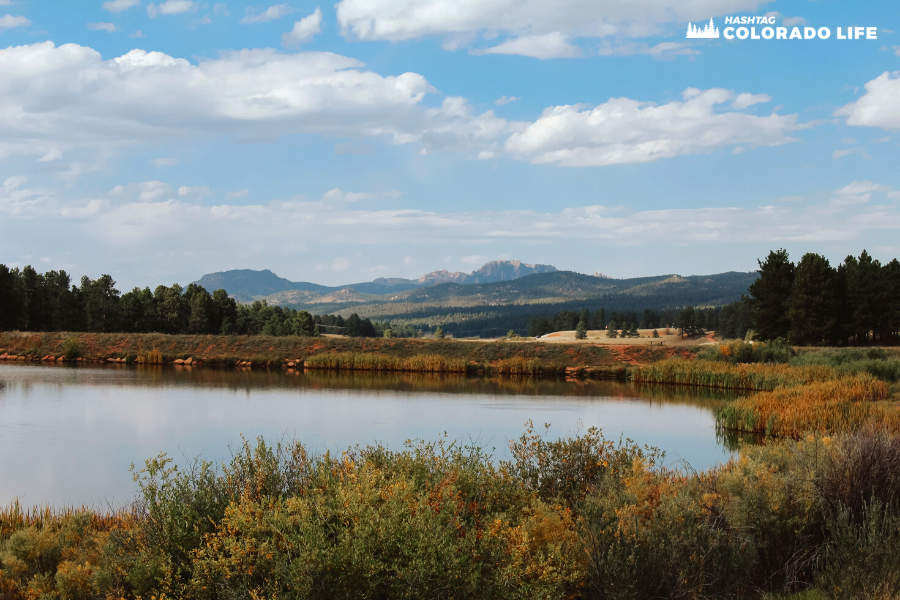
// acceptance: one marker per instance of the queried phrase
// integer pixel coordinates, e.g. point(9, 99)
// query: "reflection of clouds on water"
point(69, 434)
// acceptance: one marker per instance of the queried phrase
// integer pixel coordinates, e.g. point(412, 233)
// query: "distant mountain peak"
point(495, 270)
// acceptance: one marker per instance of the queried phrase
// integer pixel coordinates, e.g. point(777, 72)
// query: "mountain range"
point(246, 285)
point(499, 296)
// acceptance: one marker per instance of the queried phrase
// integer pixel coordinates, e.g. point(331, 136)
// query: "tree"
point(581, 331)
point(201, 306)
point(510, 334)
point(388, 333)
point(611, 332)
point(439, 333)
point(655, 333)
point(600, 319)
point(10, 299)
point(813, 306)
point(770, 296)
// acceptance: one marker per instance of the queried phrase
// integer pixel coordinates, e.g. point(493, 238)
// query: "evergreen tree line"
point(32, 301)
point(812, 302)
point(731, 320)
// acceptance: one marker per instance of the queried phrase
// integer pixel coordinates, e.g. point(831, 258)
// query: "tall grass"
point(881, 363)
point(841, 405)
point(734, 376)
point(358, 361)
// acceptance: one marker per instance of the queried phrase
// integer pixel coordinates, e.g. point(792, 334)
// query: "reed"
point(519, 366)
point(757, 377)
point(151, 357)
point(837, 406)
point(370, 361)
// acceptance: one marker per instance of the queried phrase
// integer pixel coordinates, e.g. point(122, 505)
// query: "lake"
point(68, 434)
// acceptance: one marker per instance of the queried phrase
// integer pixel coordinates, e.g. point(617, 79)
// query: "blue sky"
point(383, 138)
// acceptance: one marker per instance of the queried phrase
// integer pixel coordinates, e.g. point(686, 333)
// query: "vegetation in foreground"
point(578, 517)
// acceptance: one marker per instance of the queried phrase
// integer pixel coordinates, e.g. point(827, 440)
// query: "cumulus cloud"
point(260, 95)
point(273, 13)
point(879, 106)
point(304, 29)
point(107, 27)
point(238, 193)
point(534, 27)
point(503, 100)
point(628, 131)
point(548, 45)
point(255, 94)
point(170, 7)
point(10, 22)
point(117, 6)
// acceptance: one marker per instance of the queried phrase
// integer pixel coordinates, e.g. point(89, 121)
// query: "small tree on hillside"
point(510, 334)
point(581, 331)
point(655, 333)
point(439, 333)
point(612, 333)
point(388, 333)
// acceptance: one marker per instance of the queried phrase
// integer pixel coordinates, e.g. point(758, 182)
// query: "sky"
point(158, 141)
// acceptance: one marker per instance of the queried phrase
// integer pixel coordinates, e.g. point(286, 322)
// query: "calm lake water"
point(69, 434)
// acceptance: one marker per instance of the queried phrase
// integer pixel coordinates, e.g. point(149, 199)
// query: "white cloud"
point(197, 190)
point(848, 140)
point(238, 193)
point(397, 20)
point(51, 155)
point(117, 6)
point(261, 95)
point(879, 106)
point(628, 131)
point(338, 195)
point(220, 10)
point(254, 94)
point(503, 100)
point(838, 154)
point(137, 34)
point(107, 27)
point(170, 7)
point(164, 162)
point(746, 100)
point(533, 27)
point(548, 45)
point(140, 222)
point(473, 259)
point(10, 22)
point(273, 13)
point(882, 140)
point(304, 29)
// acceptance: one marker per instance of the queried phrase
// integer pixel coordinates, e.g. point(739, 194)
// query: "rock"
point(4, 356)
point(179, 361)
point(110, 360)
point(20, 358)
point(188, 361)
point(60, 359)
point(291, 364)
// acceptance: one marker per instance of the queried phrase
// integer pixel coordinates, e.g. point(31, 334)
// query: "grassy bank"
point(579, 517)
point(264, 351)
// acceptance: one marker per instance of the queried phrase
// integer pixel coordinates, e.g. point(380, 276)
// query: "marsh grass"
point(706, 373)
point(356, 361)
point(839, 406)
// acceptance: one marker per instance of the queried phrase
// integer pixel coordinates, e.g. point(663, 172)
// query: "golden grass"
point(733, 376)
point(369, 361)
point(832, 407)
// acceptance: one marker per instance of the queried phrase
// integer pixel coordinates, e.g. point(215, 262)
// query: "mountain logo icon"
point(708, 32)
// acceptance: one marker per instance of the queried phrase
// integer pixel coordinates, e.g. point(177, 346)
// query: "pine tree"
point(581, 331)
point(770, 296)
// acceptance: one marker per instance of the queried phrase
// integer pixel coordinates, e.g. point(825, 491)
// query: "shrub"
point(71, 348)
point(862, 558)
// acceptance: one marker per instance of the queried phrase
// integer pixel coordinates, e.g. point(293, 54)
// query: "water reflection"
point(68, 434)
